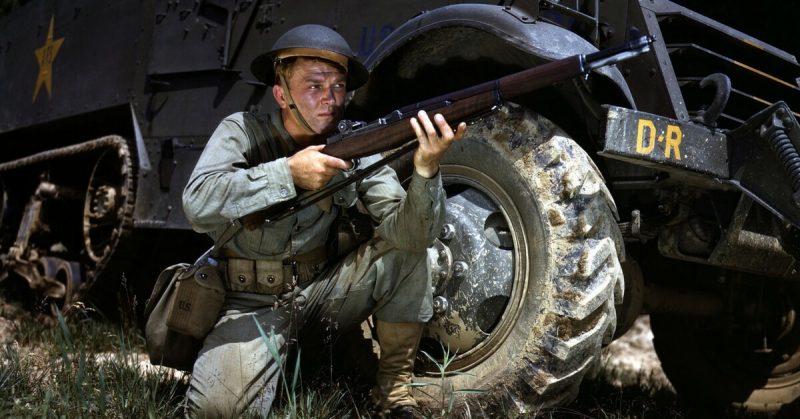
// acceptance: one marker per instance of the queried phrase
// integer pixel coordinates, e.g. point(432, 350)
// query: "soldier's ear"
point(280, 98)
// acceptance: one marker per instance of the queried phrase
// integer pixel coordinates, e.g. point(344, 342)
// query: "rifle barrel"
point(476, 100)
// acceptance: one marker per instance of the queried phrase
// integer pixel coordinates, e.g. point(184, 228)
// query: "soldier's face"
point(318, 89)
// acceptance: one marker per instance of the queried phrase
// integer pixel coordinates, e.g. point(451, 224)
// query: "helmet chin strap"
point(296, 112)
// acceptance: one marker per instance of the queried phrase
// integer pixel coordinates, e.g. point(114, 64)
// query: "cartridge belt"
point(270, 277)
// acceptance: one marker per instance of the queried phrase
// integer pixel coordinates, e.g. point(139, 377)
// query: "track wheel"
point(108, 207)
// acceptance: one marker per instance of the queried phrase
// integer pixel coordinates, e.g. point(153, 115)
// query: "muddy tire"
point(748, 359)
point(527, 273)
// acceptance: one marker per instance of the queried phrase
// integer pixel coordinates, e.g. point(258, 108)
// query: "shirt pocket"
point(347, 196)
point(274, 238)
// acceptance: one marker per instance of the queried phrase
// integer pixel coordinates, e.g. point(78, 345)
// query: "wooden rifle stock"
point(394, 130)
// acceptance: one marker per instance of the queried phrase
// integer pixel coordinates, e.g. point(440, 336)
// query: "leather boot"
point(398, 342)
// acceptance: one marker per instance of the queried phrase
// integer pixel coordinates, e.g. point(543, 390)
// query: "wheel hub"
point(472, 273)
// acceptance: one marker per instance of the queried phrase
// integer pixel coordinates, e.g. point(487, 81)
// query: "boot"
point(398, 342)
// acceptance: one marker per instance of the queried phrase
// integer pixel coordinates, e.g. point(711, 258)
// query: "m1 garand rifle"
point(393, 131)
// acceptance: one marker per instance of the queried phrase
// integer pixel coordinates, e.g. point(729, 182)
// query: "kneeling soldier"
point(280, 273)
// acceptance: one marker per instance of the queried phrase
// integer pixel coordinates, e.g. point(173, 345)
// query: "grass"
point(448, 396)
point(81, 367)
point(85, 366)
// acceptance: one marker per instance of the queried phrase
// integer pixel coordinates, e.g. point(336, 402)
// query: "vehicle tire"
point(748, 359)
point(527, 270)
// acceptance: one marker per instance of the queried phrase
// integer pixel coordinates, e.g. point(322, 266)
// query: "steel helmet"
point(311, 41)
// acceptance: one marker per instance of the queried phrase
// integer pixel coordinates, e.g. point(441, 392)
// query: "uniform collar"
point(287, 142)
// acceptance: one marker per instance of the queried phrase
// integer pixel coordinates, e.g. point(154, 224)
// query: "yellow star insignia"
point(46, 55)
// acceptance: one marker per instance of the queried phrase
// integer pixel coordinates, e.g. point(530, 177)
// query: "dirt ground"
point(7, 313)
point(631, 359)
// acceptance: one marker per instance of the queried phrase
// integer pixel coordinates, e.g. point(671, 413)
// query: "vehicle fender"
point(513, 26)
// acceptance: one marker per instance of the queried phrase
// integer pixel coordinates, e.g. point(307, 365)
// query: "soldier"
point(280, 273)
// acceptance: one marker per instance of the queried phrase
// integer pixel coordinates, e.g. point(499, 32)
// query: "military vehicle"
point(668, 184)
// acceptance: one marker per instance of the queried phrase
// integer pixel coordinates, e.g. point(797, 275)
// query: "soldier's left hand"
point(433, 141)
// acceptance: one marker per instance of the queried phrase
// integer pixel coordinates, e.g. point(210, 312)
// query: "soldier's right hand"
point(311, 170)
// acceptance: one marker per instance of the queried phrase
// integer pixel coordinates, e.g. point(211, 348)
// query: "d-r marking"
point(673, 138)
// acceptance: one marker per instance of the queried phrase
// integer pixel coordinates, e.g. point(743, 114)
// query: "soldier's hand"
point(311, 170)
point(433, 141)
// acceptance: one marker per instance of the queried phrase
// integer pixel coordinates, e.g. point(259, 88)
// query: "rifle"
point(356, 140)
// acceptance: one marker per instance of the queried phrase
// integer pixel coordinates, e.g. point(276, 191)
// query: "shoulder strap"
point(259, 150)
point(256, 153)
point(266, 143)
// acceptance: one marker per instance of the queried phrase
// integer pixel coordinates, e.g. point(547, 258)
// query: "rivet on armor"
point(203, 275)
point(242, 279)
point(271, 279)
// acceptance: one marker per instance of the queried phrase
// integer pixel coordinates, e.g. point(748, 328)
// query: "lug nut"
point(447, 233)
point(440, 305)
point(460, 269)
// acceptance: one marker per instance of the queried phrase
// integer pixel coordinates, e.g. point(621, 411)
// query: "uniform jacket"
point(223, 187)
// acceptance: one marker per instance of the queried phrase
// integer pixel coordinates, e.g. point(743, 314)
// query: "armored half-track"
point(668, 184)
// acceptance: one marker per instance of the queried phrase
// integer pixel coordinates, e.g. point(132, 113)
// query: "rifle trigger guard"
point(356, 162)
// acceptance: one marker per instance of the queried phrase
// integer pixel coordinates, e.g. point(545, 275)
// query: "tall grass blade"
point(103, 388)
point(46, 405)
point(64, 329)
point(272, 347)
point(296, 373)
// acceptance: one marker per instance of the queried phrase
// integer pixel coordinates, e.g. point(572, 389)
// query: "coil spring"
point(782, 145)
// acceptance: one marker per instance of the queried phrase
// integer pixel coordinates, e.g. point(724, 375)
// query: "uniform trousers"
point(235, 371)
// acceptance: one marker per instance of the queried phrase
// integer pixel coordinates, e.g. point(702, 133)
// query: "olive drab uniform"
point(280, 276)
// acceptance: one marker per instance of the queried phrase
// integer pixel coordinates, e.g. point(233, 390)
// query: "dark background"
point(8, 5)
point(772, 21)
